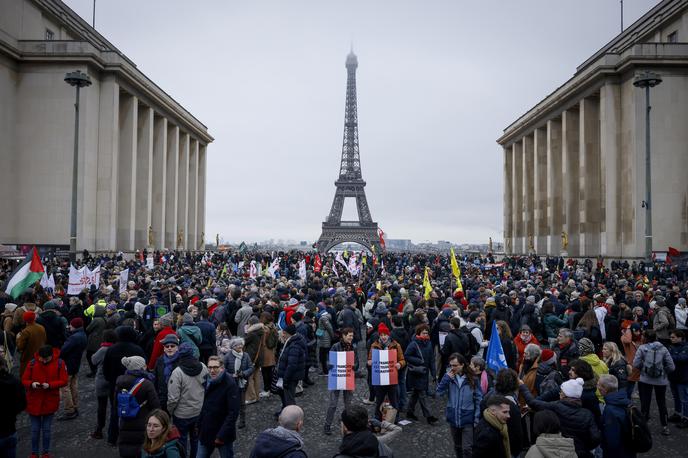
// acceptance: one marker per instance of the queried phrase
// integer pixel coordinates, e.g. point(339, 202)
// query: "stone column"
point(172, 186)
point(555, 208)
point(540, 190)
point(528, 188)
point(200, 227)
point(571, 174)
point(517, 197)
point(144, 176)
point(610, 157)
point(159, 181)
point(592, 204)
point(183, 199)
point(108, 153)
point(508, 204)
point(126, 188)
point(193, 195)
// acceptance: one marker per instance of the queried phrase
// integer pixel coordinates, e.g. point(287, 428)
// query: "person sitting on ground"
point(357, 439)
point(285, 440)
point(550, 442)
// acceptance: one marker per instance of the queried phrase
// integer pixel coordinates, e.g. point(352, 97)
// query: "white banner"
point(341, 260)
point(94, 276)
point(302, 269)
point(78, 280)
point(48, 282)
point(353, 266)
point(149, 262)
point(274, 267)
point(123, 280)
point(253, 271)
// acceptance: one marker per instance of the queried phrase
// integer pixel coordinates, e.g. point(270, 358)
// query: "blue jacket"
point(73, 349)
point(463, 406)
point(292, 361)
point(615, 426)
point(278, 442)
point(419, 353)
point(679, 354)
point(208, 335)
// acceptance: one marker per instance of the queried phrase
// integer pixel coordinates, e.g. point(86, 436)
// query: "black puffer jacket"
point(487, 441)
point(576, 422)
point(132, 431)
point(125, 346)
point(292, 362)
point(55, 328)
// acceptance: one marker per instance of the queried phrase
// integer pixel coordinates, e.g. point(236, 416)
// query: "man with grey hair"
point(285, 440)
point(567, 351)
point(615, 433)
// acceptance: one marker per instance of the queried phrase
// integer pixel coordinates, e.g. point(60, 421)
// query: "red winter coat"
point(40, 401)
point(157, 346)
point(521, 346)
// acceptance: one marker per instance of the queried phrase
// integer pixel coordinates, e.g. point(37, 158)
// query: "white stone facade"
point(142, 156)
point(575, 163)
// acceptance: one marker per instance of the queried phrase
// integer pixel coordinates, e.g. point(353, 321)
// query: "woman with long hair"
point(463, 405)
point(161, 437)
point(615, 361)
point(589, 327)
point(507, 340)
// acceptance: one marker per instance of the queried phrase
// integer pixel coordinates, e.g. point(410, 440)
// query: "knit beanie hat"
point(586, 346)
point(77, 323)
point(573, 388)
point(548, 357)
point(187, 319)
point(29, 316)
point(134, 363)
point(382, 329)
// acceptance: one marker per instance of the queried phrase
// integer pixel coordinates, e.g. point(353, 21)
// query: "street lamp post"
point(78, 80)
point(647, 80)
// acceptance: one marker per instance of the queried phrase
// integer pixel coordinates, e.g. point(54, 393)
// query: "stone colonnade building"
point(574, 165)
point(142, 157)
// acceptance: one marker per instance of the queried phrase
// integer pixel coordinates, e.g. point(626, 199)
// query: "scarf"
point(168, 361)
point(492, 420)
point(141, 374)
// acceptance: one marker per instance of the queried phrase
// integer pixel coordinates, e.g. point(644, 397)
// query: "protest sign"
point(384, 367)
point(341, 375)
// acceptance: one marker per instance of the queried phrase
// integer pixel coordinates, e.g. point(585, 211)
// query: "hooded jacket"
point(552, 446)
point(40, 401)
point(185, 389)
point(95, 330)
point(280, 442)
point(125, 346)
point(132, 431)
point(157, 345)
point(662, 322)
point(254, 343)
point(615, 426)
point(73, 349)
point(191, 334)
point(292, 361)
point(657, 353)
point(463, 405)
point(362, 444)
point(169, 450)
point(29, 341)
point(55, 327)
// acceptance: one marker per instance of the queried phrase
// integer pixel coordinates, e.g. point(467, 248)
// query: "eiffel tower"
point(350, 182)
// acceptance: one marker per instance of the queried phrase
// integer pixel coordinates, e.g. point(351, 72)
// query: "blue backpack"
point(127, 405)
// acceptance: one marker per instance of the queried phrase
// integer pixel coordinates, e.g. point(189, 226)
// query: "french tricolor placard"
point(341, 376)
point(384, 367)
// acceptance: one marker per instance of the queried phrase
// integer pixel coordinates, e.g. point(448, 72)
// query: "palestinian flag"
point(26, 274)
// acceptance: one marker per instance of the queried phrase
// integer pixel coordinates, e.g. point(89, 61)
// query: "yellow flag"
point(456, 270)
point(378, 285)
point(427, 285)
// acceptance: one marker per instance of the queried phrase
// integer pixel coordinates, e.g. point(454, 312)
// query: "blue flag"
point(495, 359)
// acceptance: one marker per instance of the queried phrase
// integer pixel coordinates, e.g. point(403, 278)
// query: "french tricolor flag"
point(384, 367)
point(341, 376)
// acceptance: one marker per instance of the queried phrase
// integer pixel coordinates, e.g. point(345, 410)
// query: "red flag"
point(318, 264)
point(674, 252)
point(381, 234)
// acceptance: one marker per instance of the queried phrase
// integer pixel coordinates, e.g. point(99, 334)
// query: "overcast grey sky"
point(438, 81)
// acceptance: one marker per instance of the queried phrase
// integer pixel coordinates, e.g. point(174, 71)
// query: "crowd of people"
point(184, 347)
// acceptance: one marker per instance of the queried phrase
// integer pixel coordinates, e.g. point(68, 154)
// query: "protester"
point(420, 362)
point(13, 402)
point(253, 347)
point(291, 364)
point(217, 420)
point(164, 367)
point(549, 442)
point(614, 360)
point(268, 353)
point(103, 389)
point(185, 393)
point(284, 440)
point(238, 365)
point(463, 405)
point(524, 337)
point(45, 374)
point(384, 342)
point(94, 333)
point(678, 379)
point(357, 439)
point(71, 354)
point(616, 435)
point(345, 344)
point(491, 434)
point(655, 363)
point(506, 384)
point(30, 339)
point(161, 437)
point(135, 381)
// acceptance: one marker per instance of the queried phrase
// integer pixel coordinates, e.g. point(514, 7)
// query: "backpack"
point(473, 345)
point(127, 405)
point(641, 437)
point(653, 369)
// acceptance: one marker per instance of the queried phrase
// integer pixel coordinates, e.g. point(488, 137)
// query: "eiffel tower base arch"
point(334, 234)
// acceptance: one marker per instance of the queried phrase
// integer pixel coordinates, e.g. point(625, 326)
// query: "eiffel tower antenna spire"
point(350, 182)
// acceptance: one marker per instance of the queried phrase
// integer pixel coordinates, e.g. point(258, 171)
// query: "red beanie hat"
point(77, 323)
point(548, 355)
point(29, 316)
point(382, 329)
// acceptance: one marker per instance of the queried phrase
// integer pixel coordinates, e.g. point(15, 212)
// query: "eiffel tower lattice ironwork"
point(350, 182)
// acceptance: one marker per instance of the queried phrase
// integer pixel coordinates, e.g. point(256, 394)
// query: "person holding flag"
point(385, 342)
point(346, 344)
point(426, 285)
point(456, 270)
point(495, 358)
point(28, 272)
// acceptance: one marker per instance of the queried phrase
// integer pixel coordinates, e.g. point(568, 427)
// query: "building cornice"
point(619, 55)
